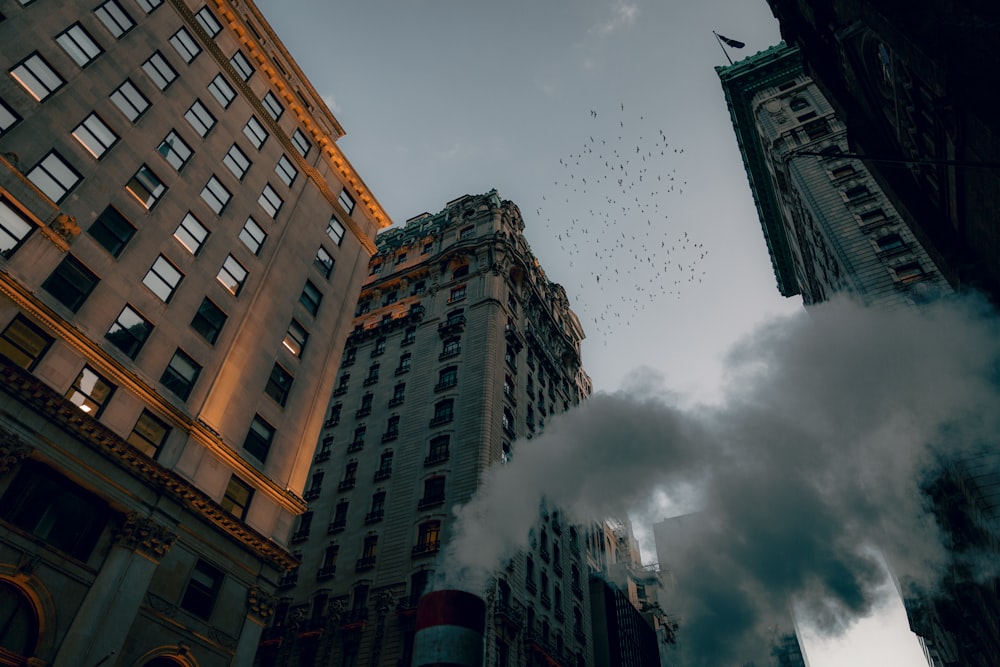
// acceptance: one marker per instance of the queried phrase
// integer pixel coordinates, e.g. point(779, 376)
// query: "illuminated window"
point(90, 392)
point(24, 343)
point(232, 275)
point(146, 187)
point(237, 498)
point(295, 338)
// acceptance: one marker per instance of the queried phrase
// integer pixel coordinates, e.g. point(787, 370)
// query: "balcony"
point(289, 579)
point(433, 501)
point(336, 526)
point(374, 516)
point(311, 494)
point(348, 361)
point(452, 326)
point(509, 614)
point(449, 353)
point(326, 572)
point(395, 400)
point(340, 390)
point(377, 352)
point(389, 436)
point(382, 473)
point(436, 457)
point(356, 446)
point(437, 420)
point(300, 535)
point(322, 455)
point(402, 369)
point(425, 548)
point(446, 384)
point(346, 484)
point(363, 412)
point(365, 563)
point(370, 380)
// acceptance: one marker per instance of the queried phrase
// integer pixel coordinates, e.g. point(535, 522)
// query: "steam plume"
point(807, 467)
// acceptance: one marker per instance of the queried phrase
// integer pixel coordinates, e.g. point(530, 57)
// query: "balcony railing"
point(424, 503)
point(356, 446)
point(374, 516)
point(395, 400)
point(446, 384)
point(322, 455)
point(530, 585)
point(300, 535)
point(382, 473)
point(325, 572)
point(355, 616)
point(336, 526)
point(340, 390)
point(452, 352)
point(389, 436)
point(363, 412)
point(331, 422)
point(346, 484)
point(311, 494)
point(365, 563)
point(426, 548)
point(436, 457)
point(289, 579)
point(437, 420)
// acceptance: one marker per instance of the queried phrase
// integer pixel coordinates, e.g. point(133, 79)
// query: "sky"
point(552, 103)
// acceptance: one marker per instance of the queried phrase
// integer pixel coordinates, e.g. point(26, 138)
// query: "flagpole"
point(722, 47)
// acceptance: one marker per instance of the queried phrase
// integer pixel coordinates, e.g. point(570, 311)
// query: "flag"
point(731, 42)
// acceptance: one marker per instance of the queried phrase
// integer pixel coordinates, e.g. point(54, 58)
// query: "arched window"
point(19, 630)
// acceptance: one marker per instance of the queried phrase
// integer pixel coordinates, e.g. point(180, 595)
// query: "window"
point(457, 294)
point(310, 297)
point(129, 100)
point(447, 377)
point(384, 466)
point(79, 45)
point(391, 428)
point(237, 498)
point(273, 106)
point(14, 227)
point(129, 332)
point(242, 65)
point(404, 362)
point(149, 5)
point(112, 231)
point(359, 436)
point(301, 143)
point(199, 118)
point(94, 135)
point(8, 118)
point(71, 283)
point(23, 342)
point(279, 384)
point(400, 258)
point(873, 217)
point(295, 338)
point(162, 278)
point(798, 104)
point(304, 526)
point(452, 346)
point(114, 18)
point(856, 193)
point(180, 374)
point(221, 91)
point(215, 195)
point(174, 150)
point(47, 505)
point(433, 491)
point(253, 236)
point(335, 231)
point(438, 450)
point(148, 434)
point(37, 77)
point(159, 70)
point(237, 161)
point(185, 45)
point(255, 132)
point(208, 21)
point(232, 275)
point(890, 242)
point(340, 515)
point(323, 262)
point(368, 552)
point(908, 272)
point(202, 590)
point(146, 187)
point(347, 201)
point(842, 171)
point(409, 336)
point(466, 233)
point(191, 233)
point(270, 201)
point(378, 507)
point(54, 176)
point(817, 129)
point(427, 248)
point(259, 439)
point(285, 170)
point(379, 347)
point(443, 411)
point(209, 320)
point(90, 392)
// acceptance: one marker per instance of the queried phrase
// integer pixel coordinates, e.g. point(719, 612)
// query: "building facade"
point(461, 348)
point(178, 237)
point(829, 227)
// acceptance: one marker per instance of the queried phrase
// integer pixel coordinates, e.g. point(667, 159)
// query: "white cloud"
point(331, 102)
point(623, 14)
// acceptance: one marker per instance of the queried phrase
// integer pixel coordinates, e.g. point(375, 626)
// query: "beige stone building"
point(461, 347)
point(178, 240)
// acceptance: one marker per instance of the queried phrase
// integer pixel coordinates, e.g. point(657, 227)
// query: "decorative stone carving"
point(260, 604)
point(142, 534)
point(12, 451)
point(65, 226)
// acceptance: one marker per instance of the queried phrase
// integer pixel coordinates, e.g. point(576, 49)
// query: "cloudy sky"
point(605, 122)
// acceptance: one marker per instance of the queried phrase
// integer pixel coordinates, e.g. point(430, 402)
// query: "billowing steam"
point(807, 468)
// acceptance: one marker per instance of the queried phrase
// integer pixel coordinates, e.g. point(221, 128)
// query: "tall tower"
point(460, 347)
point(179, 232)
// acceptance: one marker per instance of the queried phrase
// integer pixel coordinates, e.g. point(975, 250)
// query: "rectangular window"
point(255, 132)
point(174, 150)
point(148, 434)
point(259, 439)
point(112, 231)
point(301, 143)
point(215, 195)
point(146, 187)
point(79, 45)
point(270, 201)
point(347, 201)
point(180, 374)
point(310, 298)
point(208, 21)
point(323, 262)
point(242, 65)
point(237, 161)
point(222, 91)
point(129, 100)
point(37, 77)
point(71, 283)
point(285, 170)
point(159, 70)
point(54, 176)
point(185, 45)
point(279, 384)
point(95, 135)
point(129, 332)
point(232, 275)
point(199, 118)
point(209, 320)
point(14, 227)
point(23, 342)
point(202, 590)
point(295, 338)
point(8, 118)
point(191, 233)
point(163, 278)
point(149, 5)
point(114, 18)
point(253, 236)
point(90, 392)
point(273, 106)
point(236, 501)
point(335, 231)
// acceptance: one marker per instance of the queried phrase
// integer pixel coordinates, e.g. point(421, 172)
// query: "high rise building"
point(178, 231)
point(829, 227)
point(461, 347)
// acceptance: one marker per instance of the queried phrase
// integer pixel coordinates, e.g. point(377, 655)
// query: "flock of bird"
point(609, 211)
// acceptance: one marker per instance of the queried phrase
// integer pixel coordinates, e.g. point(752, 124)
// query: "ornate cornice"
point(260, 604)
point(12, 450)
point(143, 535)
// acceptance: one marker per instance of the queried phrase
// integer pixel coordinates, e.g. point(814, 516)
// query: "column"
point(260, 608)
